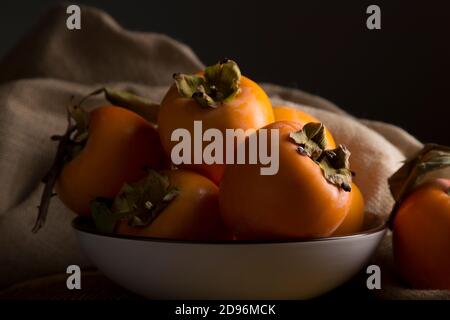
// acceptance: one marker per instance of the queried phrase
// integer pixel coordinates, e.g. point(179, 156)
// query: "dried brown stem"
point(52, 175)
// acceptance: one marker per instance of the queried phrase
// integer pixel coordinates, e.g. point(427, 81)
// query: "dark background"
point(399, 74)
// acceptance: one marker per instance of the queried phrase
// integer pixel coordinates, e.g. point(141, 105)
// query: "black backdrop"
point(399, 74)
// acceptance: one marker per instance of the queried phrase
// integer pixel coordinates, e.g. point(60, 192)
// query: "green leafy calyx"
point(218, 84)
point(139, 203)
point(311, 142)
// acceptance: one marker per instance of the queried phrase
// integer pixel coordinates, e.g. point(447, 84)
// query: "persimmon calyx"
point(335, 167)
point(138, 203)
point(312, 142)
point(219, 84)
point(311, 139)
point(430, 158)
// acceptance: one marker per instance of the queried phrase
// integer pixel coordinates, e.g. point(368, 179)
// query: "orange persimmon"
point(286, 113)
point(192, 213)
point(354, 219)
point(307, 197)
point(421, 236)
point(420, 220)
point(120, 145)
point(219, 97)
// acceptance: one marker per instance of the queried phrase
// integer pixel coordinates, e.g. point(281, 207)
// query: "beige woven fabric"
point(51, 64)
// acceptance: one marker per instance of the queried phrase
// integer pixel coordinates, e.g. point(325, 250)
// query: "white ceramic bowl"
point(167, 269)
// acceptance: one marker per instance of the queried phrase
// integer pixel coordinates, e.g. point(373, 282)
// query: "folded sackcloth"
point(51, 64)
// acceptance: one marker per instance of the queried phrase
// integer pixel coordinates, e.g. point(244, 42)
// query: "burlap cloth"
point(51, 64)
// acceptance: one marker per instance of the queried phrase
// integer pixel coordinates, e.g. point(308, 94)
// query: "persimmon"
point(221, 98)
point(286, 113)
point(120, 145)
point(173, 204)
point(354, 219)
point(99, 152)
point(308, 197)
point(421, 220)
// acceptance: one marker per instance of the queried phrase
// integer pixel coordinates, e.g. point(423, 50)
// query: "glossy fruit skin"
point(249, 109)
point(421, 236)
point(353, 221)
point(286, 113)
point(295, 203)
point(121, 144)
point(192, 215)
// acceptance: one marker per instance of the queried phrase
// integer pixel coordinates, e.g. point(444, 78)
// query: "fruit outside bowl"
point(170, 269)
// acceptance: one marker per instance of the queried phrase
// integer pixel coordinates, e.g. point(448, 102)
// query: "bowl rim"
point(80, 223)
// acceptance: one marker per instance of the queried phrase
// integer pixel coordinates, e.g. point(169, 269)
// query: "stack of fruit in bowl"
point(216, 175)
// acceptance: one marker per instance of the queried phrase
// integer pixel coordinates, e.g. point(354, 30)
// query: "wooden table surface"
point(95, 286)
